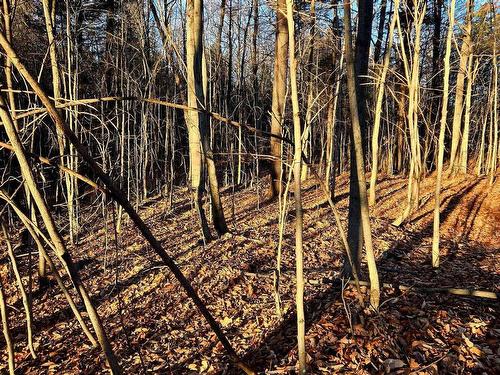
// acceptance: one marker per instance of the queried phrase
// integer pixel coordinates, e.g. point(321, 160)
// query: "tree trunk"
point(361, 59)
point(380, 33)
point(6, 332)
point(297, 161)
point(357, 147)
point(412, 73)
point(306, 139)
point(199, 144)
point(459, 95)
point(464, 146)
point(442, 130)
point(278, 96)
point(378, 106)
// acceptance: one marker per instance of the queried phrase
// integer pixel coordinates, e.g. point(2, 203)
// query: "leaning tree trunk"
point(42, 269)
point(61, 251)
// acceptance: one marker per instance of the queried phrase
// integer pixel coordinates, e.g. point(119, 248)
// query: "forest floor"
point(153, 325)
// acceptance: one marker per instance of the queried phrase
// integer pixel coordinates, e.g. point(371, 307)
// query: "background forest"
point(311, 173)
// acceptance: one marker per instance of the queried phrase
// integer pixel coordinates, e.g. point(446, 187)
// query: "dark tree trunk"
point(362, 55)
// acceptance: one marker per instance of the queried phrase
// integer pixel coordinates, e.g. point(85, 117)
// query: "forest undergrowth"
point(153, 325)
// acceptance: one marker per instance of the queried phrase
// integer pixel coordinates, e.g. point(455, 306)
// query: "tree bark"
point(357, 147)
point(297, 162)
point(278, 96)
point(361, 59)
point(465, 51)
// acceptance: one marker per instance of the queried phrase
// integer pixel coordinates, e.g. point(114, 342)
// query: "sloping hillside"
point(153, 325)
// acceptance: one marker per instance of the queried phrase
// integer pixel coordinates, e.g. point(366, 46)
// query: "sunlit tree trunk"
point(465, 51)
point(306, 139)
point(6, 332)
point(412, 73)
point(297, 161)
point(25, 297)
point(278, 96)
point(378, 106)
point(493, 147)
point(199, 143)
point(357, 145)
point(442, 130)
point(49, 10)
point(464, 145)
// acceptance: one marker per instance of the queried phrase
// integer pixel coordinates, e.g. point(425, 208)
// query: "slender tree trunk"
point(412, 73)
point(6, 332)
point(361, 59)
point(442, 130)
point(494, 109)
point(380, 33)
point(459, 96)
point(25, 297)
point(378, 106)
point(357, 145)
point(306, 141)
point(436, 61)
point(464, 146)
point(479, 162)
point(297, 161)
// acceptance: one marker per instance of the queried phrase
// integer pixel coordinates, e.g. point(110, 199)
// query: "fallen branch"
point(454, 291)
